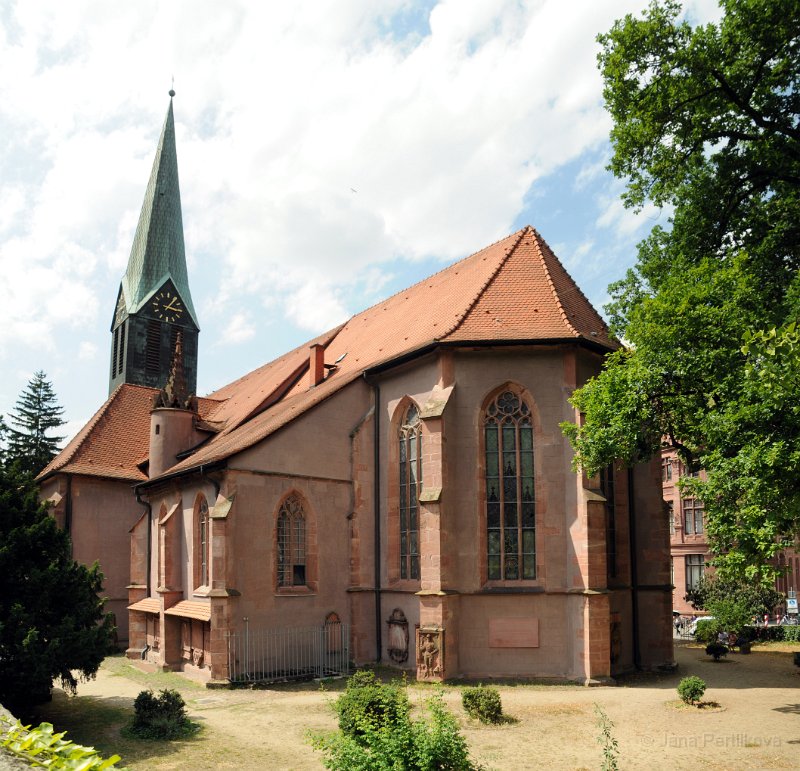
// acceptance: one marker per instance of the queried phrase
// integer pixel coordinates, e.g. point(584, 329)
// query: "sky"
point(330, 153)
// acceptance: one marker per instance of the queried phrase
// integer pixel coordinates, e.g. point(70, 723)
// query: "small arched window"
point(291, 543)
point(410, 456)
point(510, 489)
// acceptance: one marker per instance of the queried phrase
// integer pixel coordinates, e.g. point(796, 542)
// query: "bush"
point(707, 631)
point(716, 650)
point(482, 704)
point(691, 689)
point(367, 702)
point(161, 717)
point(376, 732)
point(791, 633)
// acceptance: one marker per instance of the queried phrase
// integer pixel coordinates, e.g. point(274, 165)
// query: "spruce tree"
point(30, 447)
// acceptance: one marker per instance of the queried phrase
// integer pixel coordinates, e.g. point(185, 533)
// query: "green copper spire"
point(158, 252)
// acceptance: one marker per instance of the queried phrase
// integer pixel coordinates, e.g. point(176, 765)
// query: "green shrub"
point(707, 631)
point(691, 689)
point(367, 702)
point(376, 732)
point(482, 704)
point(161, 717)
point(717, 650)
point(43, 747)
point(791, 633)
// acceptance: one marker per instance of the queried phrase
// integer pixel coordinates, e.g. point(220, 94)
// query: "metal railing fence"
point(274, 655)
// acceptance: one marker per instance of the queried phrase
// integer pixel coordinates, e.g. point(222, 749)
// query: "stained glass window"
point(410, 458)
point(291, 543)
point(510, 489)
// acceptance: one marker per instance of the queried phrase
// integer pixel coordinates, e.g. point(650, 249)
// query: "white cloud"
point(239, 329)
point(441, 124)
point(627, 222)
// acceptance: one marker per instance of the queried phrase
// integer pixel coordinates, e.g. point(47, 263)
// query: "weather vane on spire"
point(172, 89)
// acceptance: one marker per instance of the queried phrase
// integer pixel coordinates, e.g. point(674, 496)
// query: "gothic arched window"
point(510, 489)
point(291, 543)
point(410, 467)
point(202, 544)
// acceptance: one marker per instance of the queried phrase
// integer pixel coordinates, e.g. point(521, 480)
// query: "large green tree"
point(706, 124)
point(52, 623)
point(36, 414)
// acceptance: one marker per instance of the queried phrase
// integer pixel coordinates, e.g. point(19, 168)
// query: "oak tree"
point(706, 125)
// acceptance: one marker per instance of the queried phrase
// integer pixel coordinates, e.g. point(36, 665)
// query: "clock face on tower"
point(167, 306)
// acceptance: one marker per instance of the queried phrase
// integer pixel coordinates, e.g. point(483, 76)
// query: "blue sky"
point(330, 153)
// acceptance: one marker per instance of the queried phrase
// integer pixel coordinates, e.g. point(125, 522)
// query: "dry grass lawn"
point(750, 719)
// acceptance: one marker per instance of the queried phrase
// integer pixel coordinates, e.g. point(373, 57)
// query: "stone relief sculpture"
point(430, 654)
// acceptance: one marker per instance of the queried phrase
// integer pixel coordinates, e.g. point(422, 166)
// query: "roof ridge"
point(472, 303)
point(429, 277)
point(573, 282)
point(539, 241)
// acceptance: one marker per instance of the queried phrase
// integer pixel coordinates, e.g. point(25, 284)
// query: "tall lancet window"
point(291, 543)
point(202, 542)
point(410, 439)
point(510, 490)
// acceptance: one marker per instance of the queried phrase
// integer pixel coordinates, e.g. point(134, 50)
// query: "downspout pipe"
point(376, 503)
point(637, 657)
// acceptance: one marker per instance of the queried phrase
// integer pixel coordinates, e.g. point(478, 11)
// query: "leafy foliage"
point(482, 703)
point(378, 732)
point(782, 633)
point(607, 741)
point(30, 445)
point(161, 717)
point(368, 701)
point(705, 123)
point(714, 591)
point(691, 689)
point(52, 624)
point(43, 748)
point(707, 630)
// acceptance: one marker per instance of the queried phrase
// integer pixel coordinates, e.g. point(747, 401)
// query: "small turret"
point(172, 419)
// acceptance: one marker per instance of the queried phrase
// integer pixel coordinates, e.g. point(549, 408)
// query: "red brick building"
point(689, 549)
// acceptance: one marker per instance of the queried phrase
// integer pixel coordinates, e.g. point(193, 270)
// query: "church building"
point(400, 481)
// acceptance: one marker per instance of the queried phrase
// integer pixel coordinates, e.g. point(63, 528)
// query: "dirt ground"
point(750, 720)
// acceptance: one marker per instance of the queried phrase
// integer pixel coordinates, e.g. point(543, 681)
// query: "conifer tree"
point(30, 446)
point(52, 624)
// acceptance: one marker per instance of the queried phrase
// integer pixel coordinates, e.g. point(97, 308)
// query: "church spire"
point(158, 251)
point(154, 305)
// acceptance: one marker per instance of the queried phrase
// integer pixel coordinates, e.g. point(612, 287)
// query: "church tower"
point(154, 303)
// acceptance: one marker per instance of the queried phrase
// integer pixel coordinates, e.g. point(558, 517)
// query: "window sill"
point(295, 591)
point(202, 591)
point(403, 585)
point(505, 587)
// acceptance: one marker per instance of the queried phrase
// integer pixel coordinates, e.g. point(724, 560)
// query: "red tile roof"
point(513, 290)
point(116, 440)
point(516, 289)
